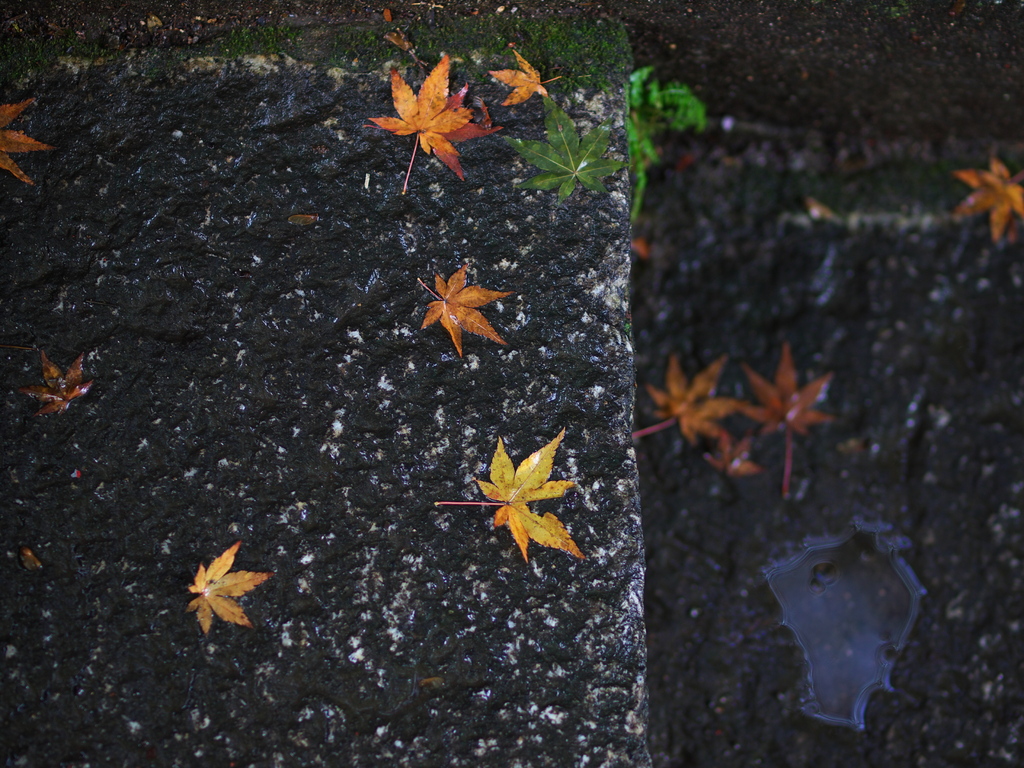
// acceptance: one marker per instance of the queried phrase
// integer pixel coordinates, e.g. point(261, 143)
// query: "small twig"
point(656, 428)
point(789, 462)
point(15, 346)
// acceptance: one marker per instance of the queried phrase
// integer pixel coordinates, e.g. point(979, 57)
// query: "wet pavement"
point(918, 317)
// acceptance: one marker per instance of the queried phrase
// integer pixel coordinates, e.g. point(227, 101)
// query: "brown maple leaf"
point(436, 119)
point(61, 388)
point(513, 488)
point(16, 141)
point(526, 81)
point(455, 307)
point(783, 404)
point(995, 191)
point(215, 587)
point(733, 456)
point(692, 405)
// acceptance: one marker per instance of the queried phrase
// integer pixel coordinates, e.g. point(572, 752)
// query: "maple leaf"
point(995, 191)
point(567, 158)
point(16, 141)
point(783, 404)
point(61, 388)
point(733, 456)
point(526, 81)
point(692, 405)
point(436, 119)
point(455, 307)
point(529, 482)
point(215, 587)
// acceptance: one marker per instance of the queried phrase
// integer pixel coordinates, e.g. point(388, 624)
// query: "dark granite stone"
point(261, 381)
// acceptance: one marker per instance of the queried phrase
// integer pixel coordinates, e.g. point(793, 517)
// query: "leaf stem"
point(15, 346)
point(789, 462)
point(428, 289)
point(471, 503)
point(655, 428)
point(408, 173)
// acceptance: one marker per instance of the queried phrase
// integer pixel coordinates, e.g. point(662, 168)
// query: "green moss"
point(20, 56)
point(265, 41)
point(589, 54)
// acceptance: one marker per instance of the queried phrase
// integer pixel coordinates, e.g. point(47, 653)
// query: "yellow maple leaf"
point(526, 81)
point(215, 587)
point(528, 483)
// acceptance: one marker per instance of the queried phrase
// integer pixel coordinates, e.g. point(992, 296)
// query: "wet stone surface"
point(918, 316)
point(261, 381)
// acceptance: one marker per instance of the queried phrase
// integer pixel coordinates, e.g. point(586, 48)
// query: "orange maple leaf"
point(733, 456)
point(455, 307)
point(215, 587)
point(16, 141)
point(784, 404)
point(995, 191)
point(435, 118)
point(692, 405)
point(61, 388)
point(526, 81)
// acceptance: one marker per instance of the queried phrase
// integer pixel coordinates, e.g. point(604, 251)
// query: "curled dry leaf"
point(16, 141)
point(529, 482)
point(525, 80)
point(28, 559)
point(61, 388)
point(997, 192)
point(455, 308)
point(436, 119)
point(215, 587)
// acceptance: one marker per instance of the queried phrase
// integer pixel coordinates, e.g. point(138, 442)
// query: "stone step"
point(267, 381)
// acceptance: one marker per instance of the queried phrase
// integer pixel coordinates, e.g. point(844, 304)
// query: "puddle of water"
point(850, 601)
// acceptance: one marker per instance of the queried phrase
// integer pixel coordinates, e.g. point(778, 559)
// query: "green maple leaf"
point(567, 158)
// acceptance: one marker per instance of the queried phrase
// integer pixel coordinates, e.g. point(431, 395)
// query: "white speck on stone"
point(385, 384)
point(474, 362)
point(134, 727)
point(356, 336)
point(144, 443)
point(190, 473)
point(176, 134)
point(336, 428)
point(553, 716)
point(10, 652)
point(356, 656)
point(596, 391)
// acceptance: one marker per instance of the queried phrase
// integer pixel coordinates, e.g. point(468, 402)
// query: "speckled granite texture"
point(262, 381)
